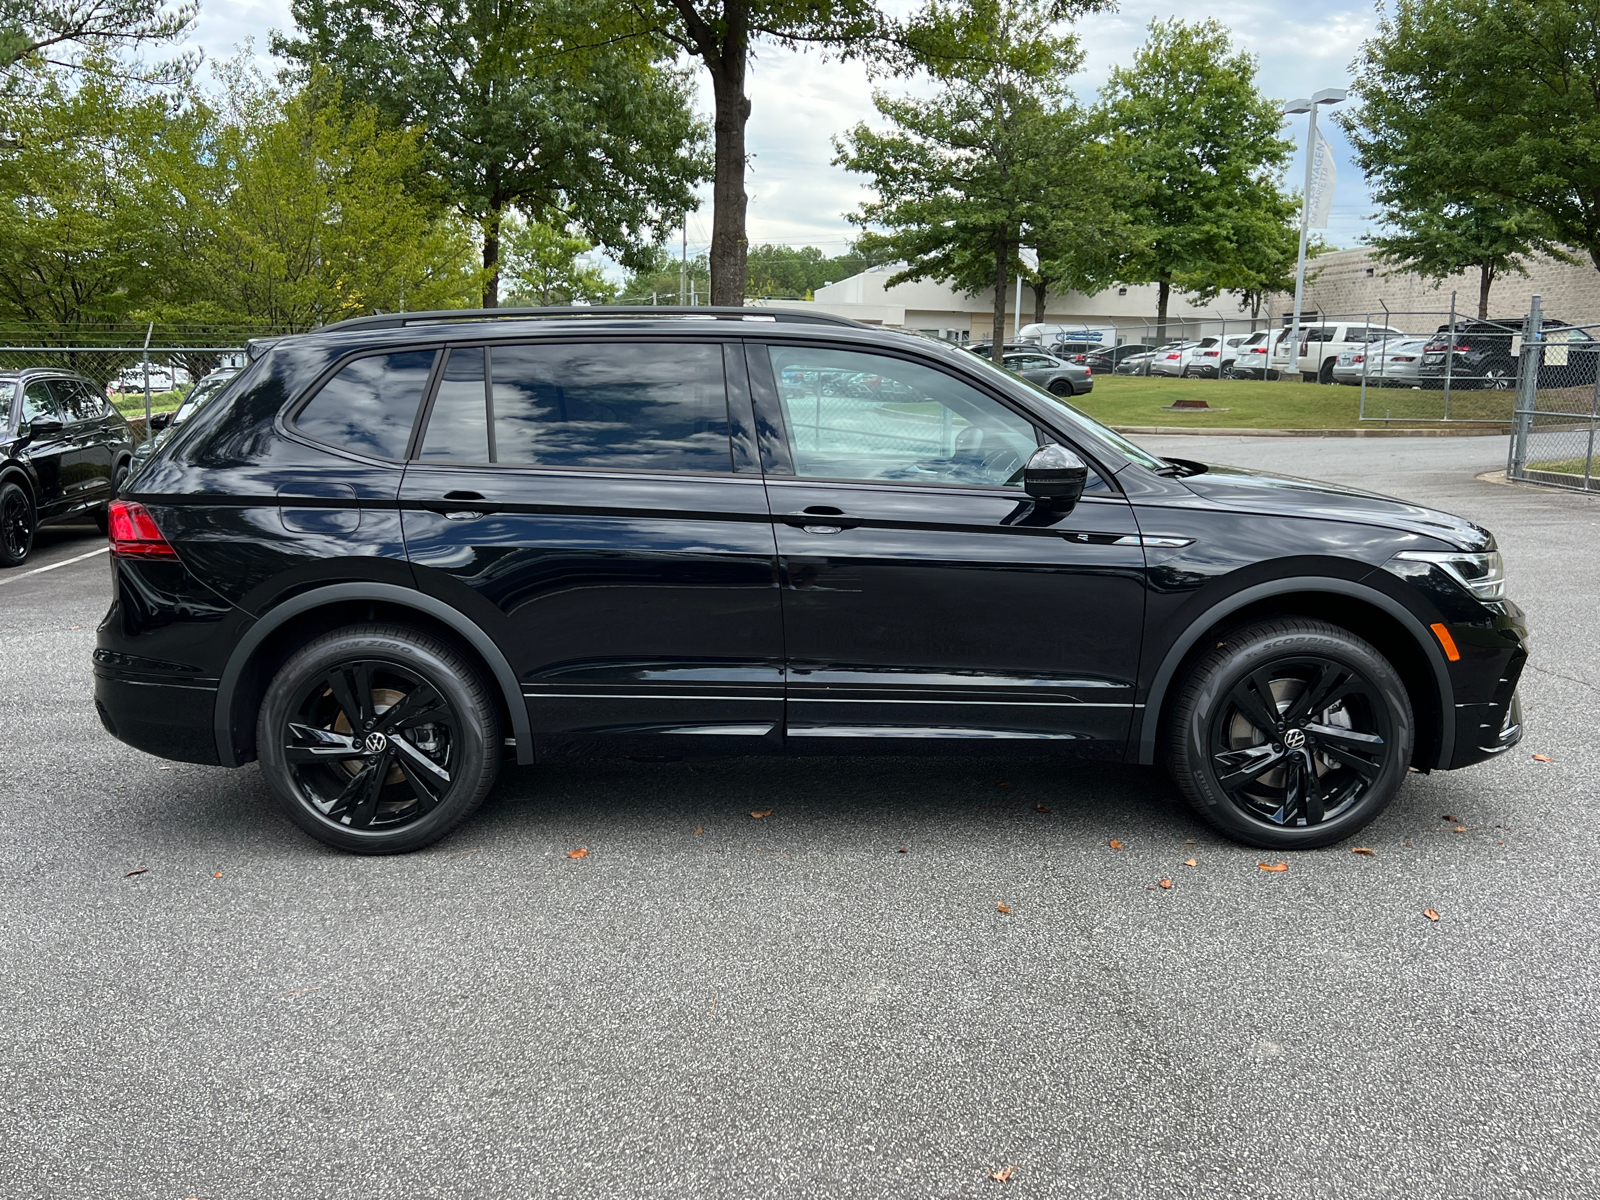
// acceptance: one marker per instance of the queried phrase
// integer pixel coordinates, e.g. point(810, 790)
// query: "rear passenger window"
point(370, 405)
point(640, 406)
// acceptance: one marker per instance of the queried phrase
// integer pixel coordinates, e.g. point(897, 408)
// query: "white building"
point(1116, 315)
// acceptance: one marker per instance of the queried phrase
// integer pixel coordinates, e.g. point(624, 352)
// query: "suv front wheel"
point(1291, 734)
point(379, 739)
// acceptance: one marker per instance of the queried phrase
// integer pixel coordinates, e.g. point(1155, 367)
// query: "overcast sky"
point(800, 101)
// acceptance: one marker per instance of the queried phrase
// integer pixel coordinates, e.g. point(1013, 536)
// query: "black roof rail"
point(702, 312)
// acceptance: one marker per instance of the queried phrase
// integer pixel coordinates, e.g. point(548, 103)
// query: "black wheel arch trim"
point(1156, 698)
point(274, 618)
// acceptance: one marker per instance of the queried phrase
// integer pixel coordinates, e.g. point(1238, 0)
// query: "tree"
point(1000, 157)
point(1488, 101)
point(41, 30)
point(96, 198)
point(1447, 237)
point(542, 266)
point(565, 111)
point(1205, 155)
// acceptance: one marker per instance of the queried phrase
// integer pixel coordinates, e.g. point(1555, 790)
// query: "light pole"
point(1293, 108)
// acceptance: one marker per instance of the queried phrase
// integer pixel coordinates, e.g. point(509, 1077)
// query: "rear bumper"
point(161, 717)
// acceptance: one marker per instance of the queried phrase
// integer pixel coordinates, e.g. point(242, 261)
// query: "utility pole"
point(1294, 107)
point(683, 266)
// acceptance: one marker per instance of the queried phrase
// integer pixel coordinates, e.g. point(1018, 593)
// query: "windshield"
point(1082, 420)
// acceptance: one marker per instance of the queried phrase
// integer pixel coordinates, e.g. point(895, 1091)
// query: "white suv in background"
point(1212, 357)
point(1170, 359)
point(1322, 343)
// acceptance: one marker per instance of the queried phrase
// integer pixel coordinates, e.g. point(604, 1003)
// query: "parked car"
point(201, 394)
point(162, 379)
point(1391, 363)
point(1170, 360)
point(983, 348)
point(1252, 359)
point(399, 547)
point(1074, 351)
point(1212, 357)
point(1322, 343)
point(1140, 364)
point(1485, 355)
point(1054, 375)
point(1108, 357)
point(63, 452)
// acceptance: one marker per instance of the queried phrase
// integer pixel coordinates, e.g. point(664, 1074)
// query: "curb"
point(1169, 431)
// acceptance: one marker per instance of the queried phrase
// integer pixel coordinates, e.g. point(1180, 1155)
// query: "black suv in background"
point(1484, 355)
point(63, 451)
point(398, 548)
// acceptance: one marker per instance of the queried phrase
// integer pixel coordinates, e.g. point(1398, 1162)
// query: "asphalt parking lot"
point(824, 1002)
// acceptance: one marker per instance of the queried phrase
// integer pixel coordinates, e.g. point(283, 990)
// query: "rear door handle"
point(820, 518)
point(460, 506)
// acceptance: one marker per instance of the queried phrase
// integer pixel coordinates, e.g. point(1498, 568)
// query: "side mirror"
point(1055, 476)
point(44, 427)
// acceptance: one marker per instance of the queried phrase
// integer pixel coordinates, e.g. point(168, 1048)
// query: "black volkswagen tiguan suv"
point(400, 549)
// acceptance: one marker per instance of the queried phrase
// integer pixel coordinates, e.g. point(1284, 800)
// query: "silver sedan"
point(1055, 375)
point(1393, 362)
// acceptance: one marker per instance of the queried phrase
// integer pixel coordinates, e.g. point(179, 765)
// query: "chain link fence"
point(1557, 404)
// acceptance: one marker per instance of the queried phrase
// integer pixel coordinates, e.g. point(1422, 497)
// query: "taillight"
point(133, 532)
point(1088, 370)
point(1402, 358)
point(1170, 357)
point(1258, 350)
point(1208, 354)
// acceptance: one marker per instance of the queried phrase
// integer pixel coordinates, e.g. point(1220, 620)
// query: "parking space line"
point(65, 562)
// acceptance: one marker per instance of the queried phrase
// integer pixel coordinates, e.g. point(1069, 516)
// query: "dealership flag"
point(1323, 178)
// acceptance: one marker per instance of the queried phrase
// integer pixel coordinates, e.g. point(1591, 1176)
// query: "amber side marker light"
point(133, 533)
point(1445, 640)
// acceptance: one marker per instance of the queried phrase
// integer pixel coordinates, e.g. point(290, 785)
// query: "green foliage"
point(1203, 148)
point(1445, 237)
point(773, 272)
point(563, 110)
point(98, 200)
point(53, 33)
point(1485, 101)
point(1001, 157)
point(542, 267)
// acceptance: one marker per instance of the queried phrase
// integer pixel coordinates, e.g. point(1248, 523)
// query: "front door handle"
point(460, 506)
point(820, 518)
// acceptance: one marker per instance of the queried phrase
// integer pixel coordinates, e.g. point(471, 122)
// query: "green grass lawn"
point(132, 404)
point(1133, 400)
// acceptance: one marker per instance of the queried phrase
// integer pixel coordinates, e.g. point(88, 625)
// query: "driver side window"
point(852, 415)
point(38, 401)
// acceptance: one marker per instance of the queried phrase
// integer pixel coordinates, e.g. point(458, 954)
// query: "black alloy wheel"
point(16, 525)
point(1061, 387)
point(1291, 734)
point(379, 739)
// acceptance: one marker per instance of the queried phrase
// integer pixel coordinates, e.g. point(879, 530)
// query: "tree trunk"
point(1485, 282)
point(1040, 291)
point(729, 244)
point(1163, 294)
point(491, 259)
point(1002, 282)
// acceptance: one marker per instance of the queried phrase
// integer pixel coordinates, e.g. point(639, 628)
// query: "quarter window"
point(866, 416)
point(370, 405)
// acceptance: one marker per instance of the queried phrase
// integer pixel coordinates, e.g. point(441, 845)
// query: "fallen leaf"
point(1003, 1176)
point(1448, 817)
point(699, 829)
point(1542, 758)
point(1430, 914)
point(765, 812)
point(774, 853)
point(1189, 862)
point(1273, 866)
point(580, 852)
point(1004, 783)
point(1002, 907)
point(216, 874)
point(131, 874)
point(1116, 845)
point(1364, 850)
point(1188, 842)
point(74, 626)
point(1039, 808)
point(1461, 828)
point(903, 850)
point(1166, 883)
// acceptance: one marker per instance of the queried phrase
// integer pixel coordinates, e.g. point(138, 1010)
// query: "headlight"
point(1482, 574)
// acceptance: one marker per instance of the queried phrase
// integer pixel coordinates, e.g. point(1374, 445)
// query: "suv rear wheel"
point(16, 525)
point(379, 739)
point(1291, 734)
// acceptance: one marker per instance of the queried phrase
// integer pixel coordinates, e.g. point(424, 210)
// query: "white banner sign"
point(1323, 178)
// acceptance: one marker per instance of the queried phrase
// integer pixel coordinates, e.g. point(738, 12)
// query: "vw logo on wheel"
point(1294, 739)
point(375, 743)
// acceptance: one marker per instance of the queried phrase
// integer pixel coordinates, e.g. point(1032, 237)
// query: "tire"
point(1060, 387)
point(376, 796)
point(1358, 752)
point(1229, 371)
point(16, 525)
point(1497, 377)
point(1325, 372)
point(102, 515)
